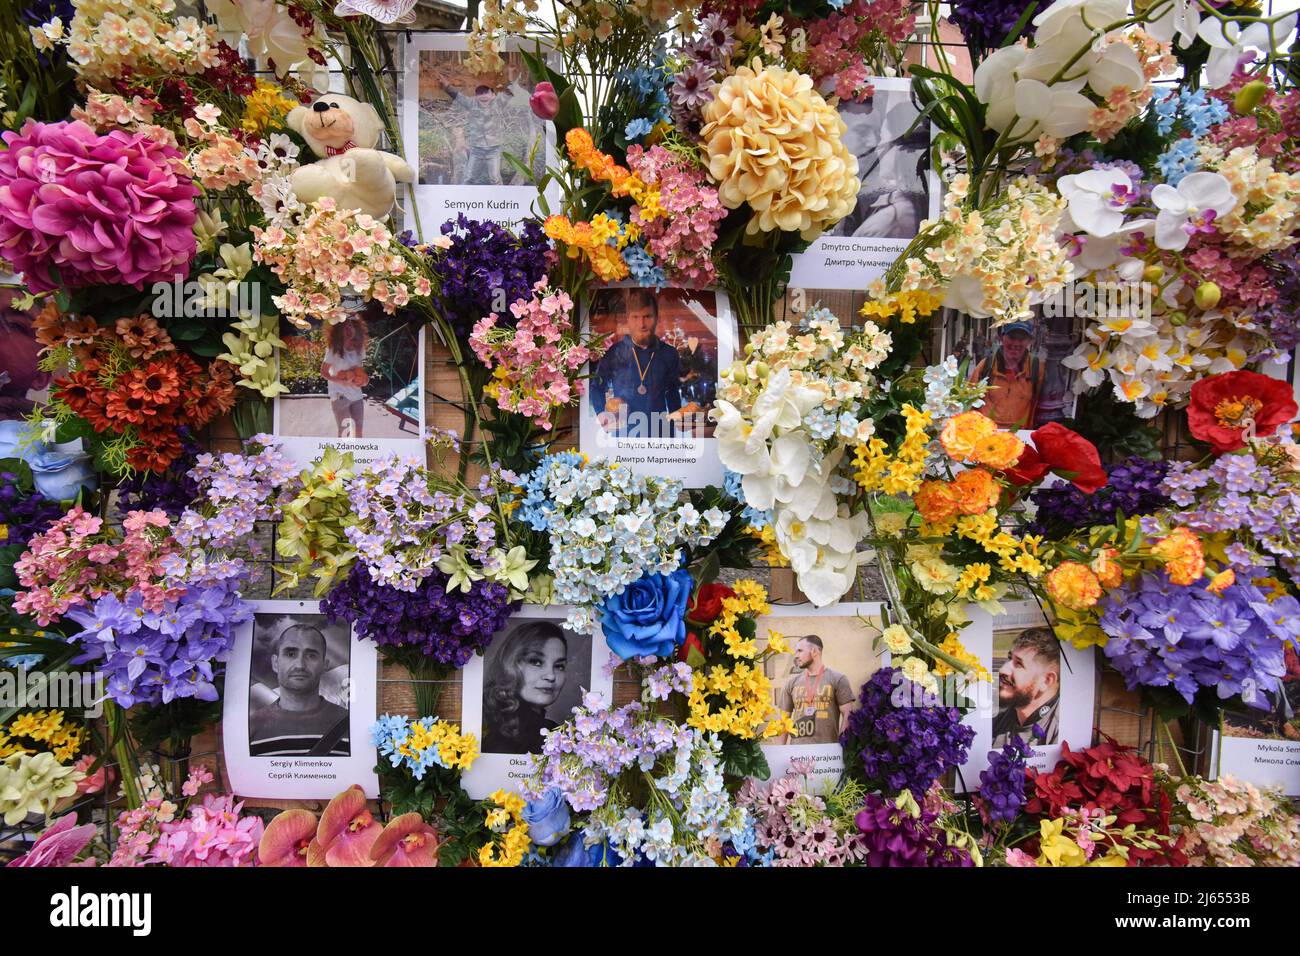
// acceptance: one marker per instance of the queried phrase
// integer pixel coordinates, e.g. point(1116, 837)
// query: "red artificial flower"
point(1223, 408)
point(1057, 449)
point(706, 603)
point(129, 409)
point(692, 643)
point(1115, 779)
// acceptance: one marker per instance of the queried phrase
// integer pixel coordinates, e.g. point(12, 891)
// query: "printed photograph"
point(1282, 720)
point(893, 164)
point(818, 681)
point(469, 122)
point(22, 383)
point(355, 379)
point(299, 687)
point(659, 377)
point(1021, 364)
point(534, 674)
point(1027, 662)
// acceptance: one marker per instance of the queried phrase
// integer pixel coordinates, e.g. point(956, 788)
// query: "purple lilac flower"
point(1133, 486)
point(1257, 505)
point(1002, 785)
point(446, 627)
point(902, 747)
point(485, 257)
point(24, 515)
point(234, 491)
point(1280, 318)
point(1190, 639)
point(985, 24)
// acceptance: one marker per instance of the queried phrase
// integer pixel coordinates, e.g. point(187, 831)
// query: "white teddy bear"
point(343, 132)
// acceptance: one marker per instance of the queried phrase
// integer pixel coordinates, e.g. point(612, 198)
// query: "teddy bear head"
point(335, 123)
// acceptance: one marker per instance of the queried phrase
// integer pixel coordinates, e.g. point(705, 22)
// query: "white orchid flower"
point(1028, 103)
point(1091, 254)
point(1193, 206)
point(1077, 20)
point(1098, 199)
point(1182, 18)
point(1229, 42)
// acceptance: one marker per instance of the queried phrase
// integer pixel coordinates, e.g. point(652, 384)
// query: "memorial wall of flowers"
point(249, 163)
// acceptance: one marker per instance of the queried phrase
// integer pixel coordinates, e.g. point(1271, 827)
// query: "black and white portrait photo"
point(527, 682)
point(533, 675)
point(301, 697)
point(298, 690)
point(893, 153)
point(899, 191)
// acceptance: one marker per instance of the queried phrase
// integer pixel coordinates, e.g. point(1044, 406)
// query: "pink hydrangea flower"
point(81, 209)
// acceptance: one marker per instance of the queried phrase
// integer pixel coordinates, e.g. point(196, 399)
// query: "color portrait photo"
point(357, 379)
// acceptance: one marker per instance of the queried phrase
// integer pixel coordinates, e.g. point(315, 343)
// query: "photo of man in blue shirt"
point(637, 384)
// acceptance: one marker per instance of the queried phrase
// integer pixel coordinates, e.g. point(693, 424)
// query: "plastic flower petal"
point(1194, 205)
point(286, 838)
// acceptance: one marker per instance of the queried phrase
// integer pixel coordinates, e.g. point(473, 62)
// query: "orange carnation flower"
point(977, 491)
point(1183, 556)
point(1073, 585)
point(1108, 569)
point(962, 432)
point(936, 500)
point(998, 451)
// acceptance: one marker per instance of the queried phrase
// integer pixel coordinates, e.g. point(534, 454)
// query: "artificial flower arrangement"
point(717, 159)
point(1068, 159)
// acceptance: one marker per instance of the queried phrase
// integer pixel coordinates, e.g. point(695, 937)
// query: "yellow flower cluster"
point(265, 108)
point(876, 470)
point(1014, 554)
point(953, 647)
point(749, 711)
point(591, 240)
point(46, 727)
point(906, 305)
point(772, 555)
point(974, 582)
point(507, 820)
point(456, 750)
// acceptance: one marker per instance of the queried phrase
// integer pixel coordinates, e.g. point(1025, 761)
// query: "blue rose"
point(58, 471)
point(547, 818)
point(648, 618)
point(574, 852)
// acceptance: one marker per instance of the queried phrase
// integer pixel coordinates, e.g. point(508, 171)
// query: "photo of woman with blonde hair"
point(526, 674)
point(346, 344)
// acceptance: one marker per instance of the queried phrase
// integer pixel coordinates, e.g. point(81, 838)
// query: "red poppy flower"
point(1057, 449)
point(1223, 408)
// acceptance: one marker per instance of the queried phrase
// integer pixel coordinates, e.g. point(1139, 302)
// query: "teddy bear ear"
point(368, 125)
